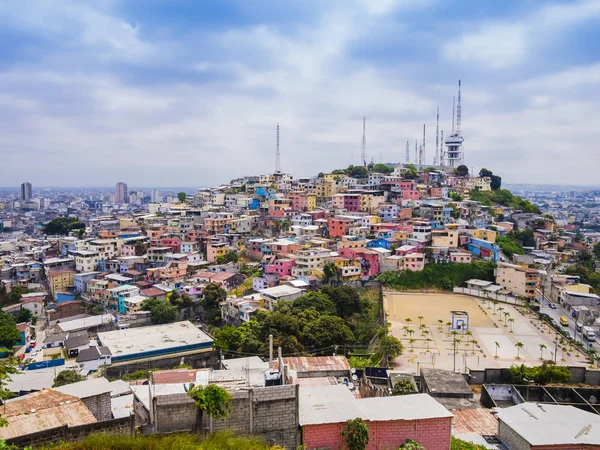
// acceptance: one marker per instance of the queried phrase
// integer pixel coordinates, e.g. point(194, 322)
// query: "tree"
point(519, 346)
point(212, 295)
point(67, 377)
point(8, 367)
point(485, 173)
point(456, 196)
point(390, 347)
point(228, 338)
point(230, 256)
point(547, 372)
point(320, 302)
point(403, 387)
point(9, 335)
point(356, 432)
point(411, 444)
point(160, 311)
point(182, 196)
point(24, 315)
point(212, 400)
point(382, 168)
point(497, 347)
point(61, 226)
point(347, 299)
point(542, 348)
point(329, 272)
point(140, 248)
point(496, 182)
point(462, 171)
point(459, 444)
point(328, 331)
point(357, 172)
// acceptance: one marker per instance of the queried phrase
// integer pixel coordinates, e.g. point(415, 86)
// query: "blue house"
point(62, 297)
point(380, 243)
point(483, 249)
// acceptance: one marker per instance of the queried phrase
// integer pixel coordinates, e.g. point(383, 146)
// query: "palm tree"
point(427, 341)
point(410, 332)
point(473, 342)
point(500, 309)
point(405, 328)
point(456, 341)
point(411, 341)
point(542, 348)
point(497, 347)
point(420, 319)
point(494, 302)
point(468, 333)
point(408, 320)
point(440, 324)
point(506, 316)
point(519, 346)
point(511, 321)
point(425, 333)
point(449, 325)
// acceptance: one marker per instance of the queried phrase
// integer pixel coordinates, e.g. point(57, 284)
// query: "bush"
point(440, 276)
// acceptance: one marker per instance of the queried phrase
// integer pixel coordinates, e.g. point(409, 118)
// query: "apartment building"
point(519, 280)
point(60, 280)
point(444, 238)
point(310, 260)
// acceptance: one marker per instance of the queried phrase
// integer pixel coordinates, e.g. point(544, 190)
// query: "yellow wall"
point(486, 235)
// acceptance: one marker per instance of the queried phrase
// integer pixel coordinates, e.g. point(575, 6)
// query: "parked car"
point(544, 316)
point(551, 306)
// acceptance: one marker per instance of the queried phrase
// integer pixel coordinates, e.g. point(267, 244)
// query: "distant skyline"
point(162, 93)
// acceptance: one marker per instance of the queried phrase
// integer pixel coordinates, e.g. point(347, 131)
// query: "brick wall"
point(124, 425)
point(270, 413)
point(433, 434)
point(99, 406)
point(513, 439)
point(66, 310)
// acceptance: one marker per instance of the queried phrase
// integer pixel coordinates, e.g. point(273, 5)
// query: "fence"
point(46, 364)
point(488, 295)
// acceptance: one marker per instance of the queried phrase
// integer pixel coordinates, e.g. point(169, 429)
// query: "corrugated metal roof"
point(317, 363)
point(552, 424)
point(87, 388)
point(43, 410)
point(336, 404)
point(122, 406)
point(119, 387)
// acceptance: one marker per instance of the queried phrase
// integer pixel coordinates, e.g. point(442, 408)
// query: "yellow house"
point(324, 189)
point(333, 176)
point(311, 202)
point(60, 280)
point(444, 238)
point(485, 235)
point(583, 288)
point(347, 269)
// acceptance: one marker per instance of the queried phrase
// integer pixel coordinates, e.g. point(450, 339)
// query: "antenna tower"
point(442, 151)
point(453, 112)
point(458, 112)
point(416, 153)
point(278, 160)
point(423, 157)
point(436, 158)
point(407, 152)
point(364, 143)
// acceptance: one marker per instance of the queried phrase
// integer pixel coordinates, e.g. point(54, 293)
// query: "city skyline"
point(189, 94)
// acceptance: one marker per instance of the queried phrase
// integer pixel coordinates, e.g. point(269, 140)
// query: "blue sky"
point(185, 92)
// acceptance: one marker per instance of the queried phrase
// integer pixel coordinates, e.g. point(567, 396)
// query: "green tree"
point(24, 315)
point(212, 295)
point(212, 400)
point(329, 272)
point(382, 168)
point(403, 387)
point(328, 331)
point(485, 173)
point(411, 444)
point(8, 367)
point(346, 299)
point(160, 311)
point(228, 338)
point(61, 226)
point(459, 444)
point(496, 182)
point(356, 432)
point(357, 172)
point(389, 347)
point(317, 300)
point(182, 196)
point(462, 171)
point(67, 377)
point(9, 335)
point(140, 248)
point(456, 196)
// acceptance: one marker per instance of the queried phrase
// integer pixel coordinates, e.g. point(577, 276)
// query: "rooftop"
point(134, 341)
point(87, 388)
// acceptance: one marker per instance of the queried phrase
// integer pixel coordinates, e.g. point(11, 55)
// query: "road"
point(559, 312)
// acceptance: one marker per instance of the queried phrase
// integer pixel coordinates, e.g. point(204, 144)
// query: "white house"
point(92, 358)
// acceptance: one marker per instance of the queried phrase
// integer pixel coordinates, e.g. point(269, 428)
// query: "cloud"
point(106, 97)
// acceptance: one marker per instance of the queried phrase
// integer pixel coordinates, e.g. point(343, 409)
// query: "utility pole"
point(364, 142)
point(436, 158)
point(424, 157)
point(277, 158)
point(407, 152)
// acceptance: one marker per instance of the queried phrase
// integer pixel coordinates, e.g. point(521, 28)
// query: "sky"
point(188, 93)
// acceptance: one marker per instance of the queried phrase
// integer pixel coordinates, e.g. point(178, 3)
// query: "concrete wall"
point(511, 437)
point(196, 360)
point(270, 412)
point(432, 434)
point(124, 425)
point(99, 406)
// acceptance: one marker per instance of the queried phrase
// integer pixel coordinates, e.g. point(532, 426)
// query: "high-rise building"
point(155, 196)
point(121, 193)
point(26, 191)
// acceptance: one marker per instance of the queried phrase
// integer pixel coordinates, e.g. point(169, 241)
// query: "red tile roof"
point(222, 276)
point(174, 376)
point(480, 421)
point(152, 292)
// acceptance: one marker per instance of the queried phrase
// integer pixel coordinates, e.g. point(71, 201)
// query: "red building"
point(324, 411)
point(174, 243)
point(338, 227)
point(369, 259)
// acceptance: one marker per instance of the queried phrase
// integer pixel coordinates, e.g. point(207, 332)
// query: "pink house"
point(406, 250)
point(281, 267)
point(460, 257)
point(410, 195)
point(127, 250)
point(391, 420)
point(405, 214)
point(414, 262)
point(174, 243)
point(406, 185)
point(369, 259)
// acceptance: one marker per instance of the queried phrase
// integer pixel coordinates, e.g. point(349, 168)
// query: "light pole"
point(555, 347)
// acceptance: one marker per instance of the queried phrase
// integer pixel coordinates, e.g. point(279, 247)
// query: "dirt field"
point(433, 307)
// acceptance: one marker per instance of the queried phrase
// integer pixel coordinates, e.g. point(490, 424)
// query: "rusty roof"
point(222, 276)
point(479, 421)
point(152, 292)
point(317, 363)
point(43, 410)
point(174, 376)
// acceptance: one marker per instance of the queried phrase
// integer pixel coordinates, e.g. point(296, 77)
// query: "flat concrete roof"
point(153, 340)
